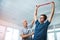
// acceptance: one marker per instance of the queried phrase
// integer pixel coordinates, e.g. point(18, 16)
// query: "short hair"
point(45, 17)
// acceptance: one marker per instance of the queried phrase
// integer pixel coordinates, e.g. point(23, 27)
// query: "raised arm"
point(36, 11)
point(52, 11)
point(32, 22)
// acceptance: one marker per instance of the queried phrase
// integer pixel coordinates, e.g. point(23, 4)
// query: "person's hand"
point(52, 3)
point(37, 6)
point(32, 33)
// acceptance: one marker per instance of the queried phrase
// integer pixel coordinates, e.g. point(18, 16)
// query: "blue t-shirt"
point(41, 30)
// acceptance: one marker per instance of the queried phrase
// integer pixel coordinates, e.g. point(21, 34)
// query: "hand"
point(32, 33)
point(37, 6)
point(52, 3)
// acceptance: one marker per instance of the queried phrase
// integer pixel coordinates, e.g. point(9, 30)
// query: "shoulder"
point(21, 29)
point(36, 21)
point(47, 22)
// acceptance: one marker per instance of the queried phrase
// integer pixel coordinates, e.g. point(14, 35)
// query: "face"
point(25, 23)
point(41, 18)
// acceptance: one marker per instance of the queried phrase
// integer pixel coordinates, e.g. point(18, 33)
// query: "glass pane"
point(58, 35)
point(50, 36)
point(8, 35)
point(15, 34)
point(12, 34)
point(2, 32)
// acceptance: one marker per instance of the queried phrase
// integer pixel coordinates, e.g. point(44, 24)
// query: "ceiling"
point(15, 11)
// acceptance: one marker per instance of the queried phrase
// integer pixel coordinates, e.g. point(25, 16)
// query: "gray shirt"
point(26, 31)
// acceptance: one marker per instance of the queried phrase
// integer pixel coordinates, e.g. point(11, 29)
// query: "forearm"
point(52, 11)
point(32, 22)
point(35, 13)
point(36, 10)
point(25, 36)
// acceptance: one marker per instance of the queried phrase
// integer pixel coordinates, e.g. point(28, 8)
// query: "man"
point(26, 33)
point(42, 26)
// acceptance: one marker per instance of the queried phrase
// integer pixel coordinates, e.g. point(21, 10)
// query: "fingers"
point(37, 6)
point(52, 2)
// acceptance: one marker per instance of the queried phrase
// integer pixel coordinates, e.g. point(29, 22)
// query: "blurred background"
point(12, 13)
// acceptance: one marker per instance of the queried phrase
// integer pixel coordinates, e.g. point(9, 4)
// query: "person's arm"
point(36, 11)
point(26, 35)
point(31, 24)
point(52, 11)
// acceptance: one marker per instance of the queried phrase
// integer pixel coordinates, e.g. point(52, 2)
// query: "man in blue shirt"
point(42, 26)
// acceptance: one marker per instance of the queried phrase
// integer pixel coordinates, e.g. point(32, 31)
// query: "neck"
point(25, 27)
point(41, 22)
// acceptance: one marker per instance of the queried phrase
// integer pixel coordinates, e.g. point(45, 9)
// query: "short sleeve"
point(30, 25)
point(21, 31)
point(36, 22)
point(47, 23)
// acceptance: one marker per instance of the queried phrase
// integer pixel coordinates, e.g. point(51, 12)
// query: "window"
point(58, 35)
point(51, 36)
point(54, 34)
point(2, 32)
point(12, 34)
